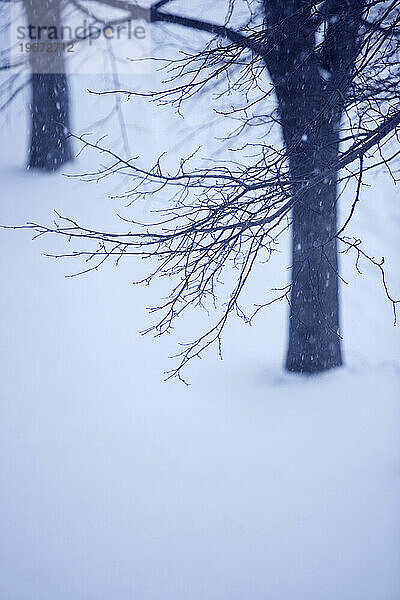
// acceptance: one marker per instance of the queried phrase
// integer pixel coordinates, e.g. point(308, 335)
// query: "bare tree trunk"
point(50, 146)
point(310, 111)
point(314, 342)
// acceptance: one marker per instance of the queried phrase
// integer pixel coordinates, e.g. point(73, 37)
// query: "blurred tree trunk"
point(50, 146)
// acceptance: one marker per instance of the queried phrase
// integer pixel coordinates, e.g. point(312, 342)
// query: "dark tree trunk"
point(50, 146)
point(310, 107)
point(314, 342)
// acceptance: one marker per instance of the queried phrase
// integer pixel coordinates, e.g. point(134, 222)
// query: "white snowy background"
point(248, 485)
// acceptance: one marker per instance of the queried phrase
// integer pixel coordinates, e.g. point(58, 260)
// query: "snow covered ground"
point(248, 485)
